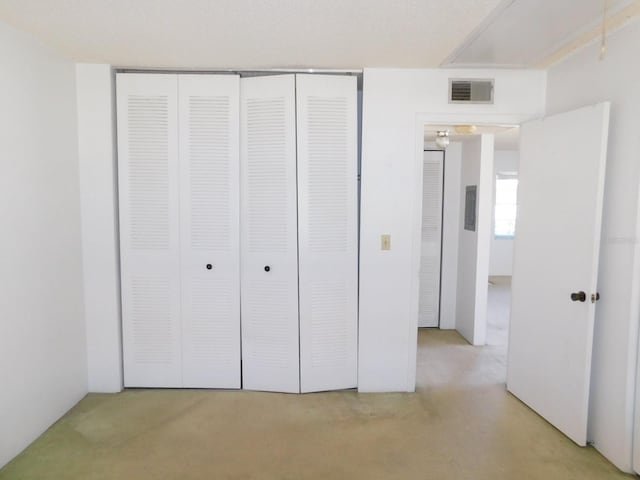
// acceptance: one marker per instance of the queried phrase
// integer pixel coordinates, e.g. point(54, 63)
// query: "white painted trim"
point(239, 71)
point(97, 150)
point(618, 16)
point(483, 231)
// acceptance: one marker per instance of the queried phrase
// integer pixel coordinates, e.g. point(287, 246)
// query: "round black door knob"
point(209, 266)
point(578, 296)
point(267, 268)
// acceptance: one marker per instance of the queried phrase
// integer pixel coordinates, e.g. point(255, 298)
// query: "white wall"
point(450, 235)
point(43, 366)
point(98, 187)
point(502, 248)
point(473, 250)
point(581, 80)
point(396, 105)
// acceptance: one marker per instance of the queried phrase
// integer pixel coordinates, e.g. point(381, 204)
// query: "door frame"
point(421, 120)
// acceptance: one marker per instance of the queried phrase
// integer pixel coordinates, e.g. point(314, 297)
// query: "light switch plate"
point(385, 242)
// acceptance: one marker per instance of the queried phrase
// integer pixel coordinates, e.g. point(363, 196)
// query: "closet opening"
point(239, 224)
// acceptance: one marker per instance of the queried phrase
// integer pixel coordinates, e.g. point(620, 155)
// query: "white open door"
point(431, 248)
point(328, 231)
point(562, 168)
point(149, 229)
point(209, 229)
point(269, 235)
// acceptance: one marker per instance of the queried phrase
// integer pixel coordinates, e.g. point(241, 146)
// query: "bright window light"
point(506, 206)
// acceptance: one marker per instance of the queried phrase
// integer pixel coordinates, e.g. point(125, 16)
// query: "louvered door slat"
point(269, 235)
point(149, 244)
point(328, 238)
point(209, 225)
point(431, 252)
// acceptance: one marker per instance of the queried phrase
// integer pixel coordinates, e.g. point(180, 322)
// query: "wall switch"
point(385, 242)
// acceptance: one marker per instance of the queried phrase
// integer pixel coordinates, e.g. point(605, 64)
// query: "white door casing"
point(327, 229)
point(269, 242)
point(556, 253)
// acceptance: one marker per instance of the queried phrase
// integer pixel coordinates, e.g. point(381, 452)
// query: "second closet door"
point(269, 242)
point(328, 231)
point(209, 229)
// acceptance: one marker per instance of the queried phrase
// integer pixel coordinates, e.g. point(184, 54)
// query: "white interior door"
point(149, 229)
point(328, 235)
point(269, 242)
point(636, 421)
point(431, 251)
point(562, 168)
point(209, 229)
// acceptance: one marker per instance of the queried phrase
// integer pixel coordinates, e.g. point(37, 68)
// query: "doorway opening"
point(469, 204)
point(562, 165)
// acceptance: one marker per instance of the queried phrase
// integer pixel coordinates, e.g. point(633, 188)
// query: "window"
point(506, 205)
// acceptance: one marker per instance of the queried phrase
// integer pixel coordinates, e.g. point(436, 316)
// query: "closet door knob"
point(209, 266)
point(267, 268)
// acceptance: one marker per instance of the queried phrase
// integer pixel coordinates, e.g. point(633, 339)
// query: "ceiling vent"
point(470, 90)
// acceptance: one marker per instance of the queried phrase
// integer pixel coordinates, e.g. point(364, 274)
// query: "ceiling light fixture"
point(442, 138)
point(465, 129)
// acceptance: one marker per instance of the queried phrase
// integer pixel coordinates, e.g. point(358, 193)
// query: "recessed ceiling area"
point(251, 34)
point(506, 136)
point(525, 33)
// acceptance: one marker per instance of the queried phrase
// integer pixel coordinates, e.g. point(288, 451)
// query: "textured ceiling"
point(251, 33)
point(524, 33)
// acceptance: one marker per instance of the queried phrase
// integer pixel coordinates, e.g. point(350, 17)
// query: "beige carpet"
point(461, 424)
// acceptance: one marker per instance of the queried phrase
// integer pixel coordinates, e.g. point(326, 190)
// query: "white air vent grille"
point(470, 90)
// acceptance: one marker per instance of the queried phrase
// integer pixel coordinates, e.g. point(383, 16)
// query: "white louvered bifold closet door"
point(431, 249)
point(149, 229)
point(209, 229)
point(269, 250)
point(328, 235)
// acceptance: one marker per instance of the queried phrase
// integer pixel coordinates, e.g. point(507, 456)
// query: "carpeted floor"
point(460, 424)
